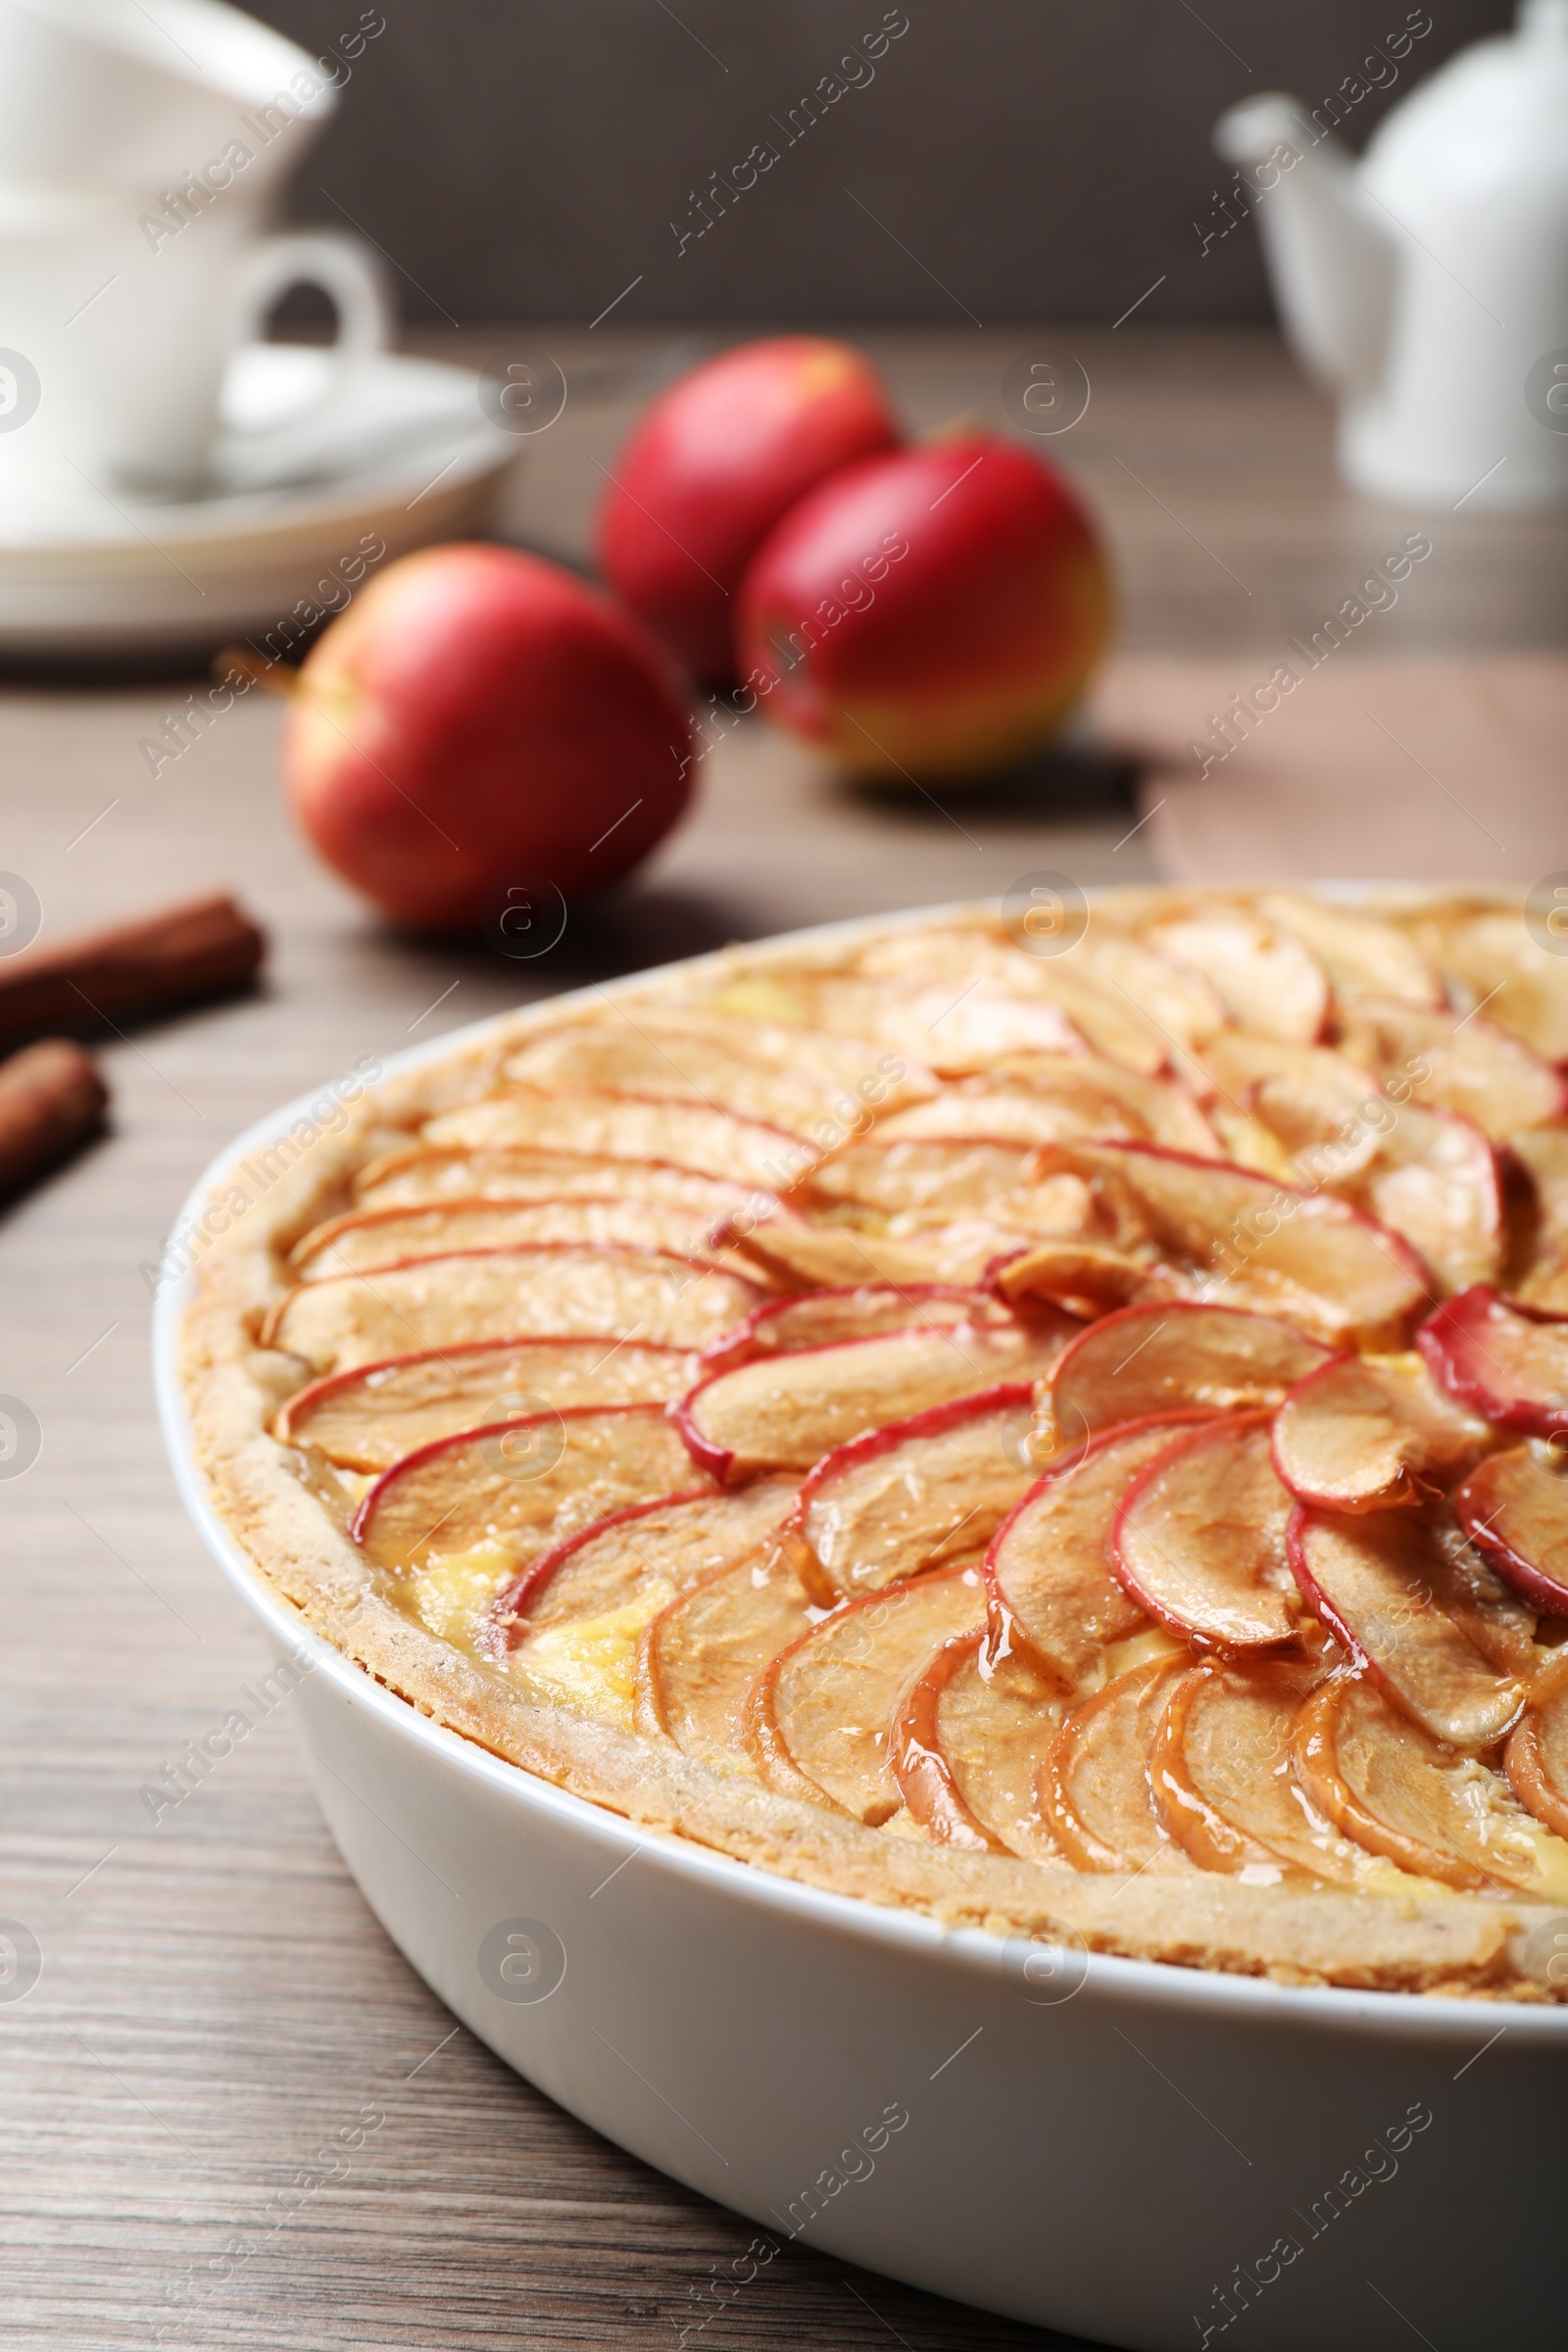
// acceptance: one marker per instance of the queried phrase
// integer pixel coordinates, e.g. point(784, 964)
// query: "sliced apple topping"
point(982, 967)
point(518, 1487)
point(392, 1237)
point(1467, 1064)
point(1198, 1541)
point(1398, 1791)
point(1491, 959)
point(1085, 1278)
point(932, 1488)
point(638, 1557)
point(545, 1290)
point(1178, 1002)
point(1542, 1152)
point(1537, 1752)
point(1049, 1098)
point(821, 1719)
point(1320, 1108)
point(369, 1418)
point(928, 1180)
point(420, 1176)
point(1362, 1433)
point(685, 1135)
point(789, 1254)
point(1362, 956)
point(818, 1318)
point(786, 1411)
point(1221, 1773)
point(1095, 1792)
point(1404, 1592)
point(699, 1657)
point(1164, 1358)
point(1514, 1509)
point(1505, 1364)
point(1050, 1589)
point(1263, 974)
point(1434, 1180)
point(970, 1743)
point(785, 1076)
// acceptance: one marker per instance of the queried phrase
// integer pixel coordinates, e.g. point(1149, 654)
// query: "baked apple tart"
point(1071, 1444)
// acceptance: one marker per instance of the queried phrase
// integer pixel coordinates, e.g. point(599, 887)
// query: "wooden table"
point(215, 1996)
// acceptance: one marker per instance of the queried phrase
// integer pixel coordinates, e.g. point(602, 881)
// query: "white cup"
point(114, 343)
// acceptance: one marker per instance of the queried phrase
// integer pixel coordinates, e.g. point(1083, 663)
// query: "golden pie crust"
point(794, 1067)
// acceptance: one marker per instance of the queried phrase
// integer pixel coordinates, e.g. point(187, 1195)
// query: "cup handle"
point(346, 272)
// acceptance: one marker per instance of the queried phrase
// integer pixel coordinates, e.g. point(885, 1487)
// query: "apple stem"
point(273, 677)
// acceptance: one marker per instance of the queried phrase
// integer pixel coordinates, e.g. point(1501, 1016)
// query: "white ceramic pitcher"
point(1428, 285)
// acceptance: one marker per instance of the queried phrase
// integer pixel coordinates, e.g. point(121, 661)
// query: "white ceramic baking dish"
point(1146, 2155)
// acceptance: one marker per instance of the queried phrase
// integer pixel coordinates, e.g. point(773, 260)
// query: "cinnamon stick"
point(51, 1098)
point(202, 948)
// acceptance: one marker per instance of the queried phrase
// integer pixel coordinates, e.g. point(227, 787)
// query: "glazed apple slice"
point(1267, 1245)
point(1178, 1001)
point(641, 1556)
point(547, 1290)
point(369, 1418)
point(900, 1498)
point(791, 1254)
point(821, 1722)
point(970, 1743)
point(950, 1026)
point(1514, 1509)
point(1397, 1790)
point(686, 1134)
point(786, 1411)
point(1168, 1357)
point(518, 1487)
point(1049, 1589)
point(818, 1318)
point(1265, 975)
point(931, 1180)
point(420, 1176)
point(1505, 1363)
point(393, 1237)
point(1321, 1108)
point(1360, 1434)
point(969, 982)
point(1488, 952)
point(1362, 956)
point(785, 1076)
point(1434, 1180)
point(1198, 1541)
point(1046, 1099)
point(1543, 1154)
point(1404, 1594)
point(1086, 1279)
point(699, 1658)
point(1537, 1752)
point(1094, 1789)
point(1470, 1065)
point(1221, 1773)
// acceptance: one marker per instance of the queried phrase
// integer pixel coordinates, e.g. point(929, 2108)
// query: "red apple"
point(714, 463)
point(476, 716)
point(935, 610)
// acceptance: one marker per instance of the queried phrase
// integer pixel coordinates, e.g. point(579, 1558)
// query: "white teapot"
point(1427, 284)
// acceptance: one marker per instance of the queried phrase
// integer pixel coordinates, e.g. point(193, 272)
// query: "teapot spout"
point(1331, 259)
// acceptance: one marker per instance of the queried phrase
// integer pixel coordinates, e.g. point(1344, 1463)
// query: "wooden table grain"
point(215, 1997)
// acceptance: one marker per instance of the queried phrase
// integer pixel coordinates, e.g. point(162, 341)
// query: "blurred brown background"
point(1025, 158)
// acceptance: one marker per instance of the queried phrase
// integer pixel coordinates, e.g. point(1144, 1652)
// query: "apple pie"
point(1068, 1443)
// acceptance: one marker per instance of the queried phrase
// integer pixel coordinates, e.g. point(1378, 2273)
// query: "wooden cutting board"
point(1427, 770)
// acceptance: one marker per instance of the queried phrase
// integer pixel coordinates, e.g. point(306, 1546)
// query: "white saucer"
point(413, 459)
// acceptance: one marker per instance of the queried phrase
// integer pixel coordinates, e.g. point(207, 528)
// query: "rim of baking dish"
point(1447, 2021)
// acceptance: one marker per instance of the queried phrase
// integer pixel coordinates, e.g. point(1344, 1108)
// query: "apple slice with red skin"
point(420, 1176)
point(371, 1417)
point(936, 1178)
point(1399, 1791)
point(676, 1539)
point(1049, 1591)
point(1361, 1435)
point(548, 1290)
point(821, 1722)
point(1403, 1592)
point(699, 1658)
point(900, 1498)
point(1198, 1541)
point(1536, 1756)
point(1472, 1066)
point(372, 1237)
point(524, 1485)
point(1434, 1180)
point(1176, 1357)
point(1265, 975)
point(1363, 956)
point(1270, 1247)
point(790, 1255)
point(1221, 1773)
point(1094, 1789)
point(1514, 1509)
point(694, 1136)
point(1086, 1280)
point(818, 1318)
point(970, 1743)
point(786, 1411)
point(1543, 1154)
point(1507, 1362)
